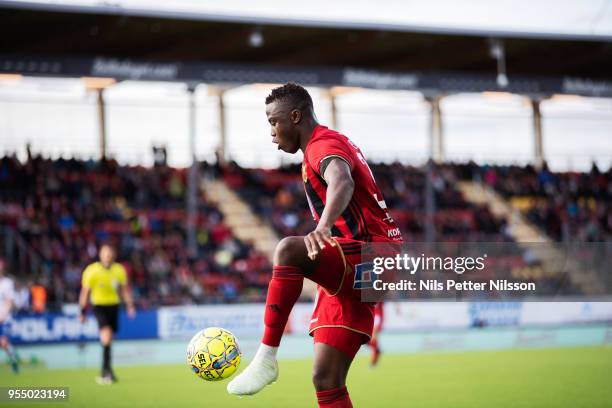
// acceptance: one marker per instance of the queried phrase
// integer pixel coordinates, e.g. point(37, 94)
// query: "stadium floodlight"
point(498, 51)
point(97, 83)
point(256, 39)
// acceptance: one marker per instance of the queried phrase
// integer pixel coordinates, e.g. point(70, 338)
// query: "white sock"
point(262, 371)
point(265, 352)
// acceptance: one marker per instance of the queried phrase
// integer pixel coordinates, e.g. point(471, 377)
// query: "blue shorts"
point(4, 329)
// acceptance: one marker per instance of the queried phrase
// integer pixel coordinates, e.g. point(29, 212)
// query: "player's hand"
point(131, 311)
point(315, 241)
point(82, 313)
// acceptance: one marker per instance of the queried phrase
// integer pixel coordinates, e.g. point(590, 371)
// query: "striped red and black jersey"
point(366, 217)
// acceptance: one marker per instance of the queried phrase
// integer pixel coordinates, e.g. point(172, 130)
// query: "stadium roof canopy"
point(563, 42)
point(507, 18)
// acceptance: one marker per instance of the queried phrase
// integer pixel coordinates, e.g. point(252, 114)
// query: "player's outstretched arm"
point(83, 296)
point(127, 298)
point(340, 187)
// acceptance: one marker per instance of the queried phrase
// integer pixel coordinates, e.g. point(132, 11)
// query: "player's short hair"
point(108, 244)
point(295, 94)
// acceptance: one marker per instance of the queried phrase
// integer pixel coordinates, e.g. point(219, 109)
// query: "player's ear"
point(296, 116)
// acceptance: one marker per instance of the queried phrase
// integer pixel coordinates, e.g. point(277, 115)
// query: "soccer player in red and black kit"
point(349, 210)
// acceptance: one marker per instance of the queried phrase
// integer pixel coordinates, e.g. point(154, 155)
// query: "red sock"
point(334, 398)
point(375, 352)
point(283, 291)
point(373, 343)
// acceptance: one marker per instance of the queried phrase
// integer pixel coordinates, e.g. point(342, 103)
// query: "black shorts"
point(107, 316)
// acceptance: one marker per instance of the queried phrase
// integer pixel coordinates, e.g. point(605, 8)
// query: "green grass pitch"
point(568, 377)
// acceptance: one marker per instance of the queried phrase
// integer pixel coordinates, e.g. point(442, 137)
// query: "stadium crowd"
point(278, 195)
point(64, 208)
point(567, 206)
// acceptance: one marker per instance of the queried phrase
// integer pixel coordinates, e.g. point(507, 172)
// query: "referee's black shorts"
point(107, 316)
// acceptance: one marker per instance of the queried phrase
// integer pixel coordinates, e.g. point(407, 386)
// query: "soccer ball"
point(213, 354)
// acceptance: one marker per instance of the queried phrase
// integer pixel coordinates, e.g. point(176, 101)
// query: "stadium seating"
point(62, 208)
point(568, 206)
point(278, 195)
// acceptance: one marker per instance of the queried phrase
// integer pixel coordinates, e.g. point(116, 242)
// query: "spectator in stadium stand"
point(22, 297)
point(38, 295)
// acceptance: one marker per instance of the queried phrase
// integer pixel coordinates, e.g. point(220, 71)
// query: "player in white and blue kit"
point(7, 296)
